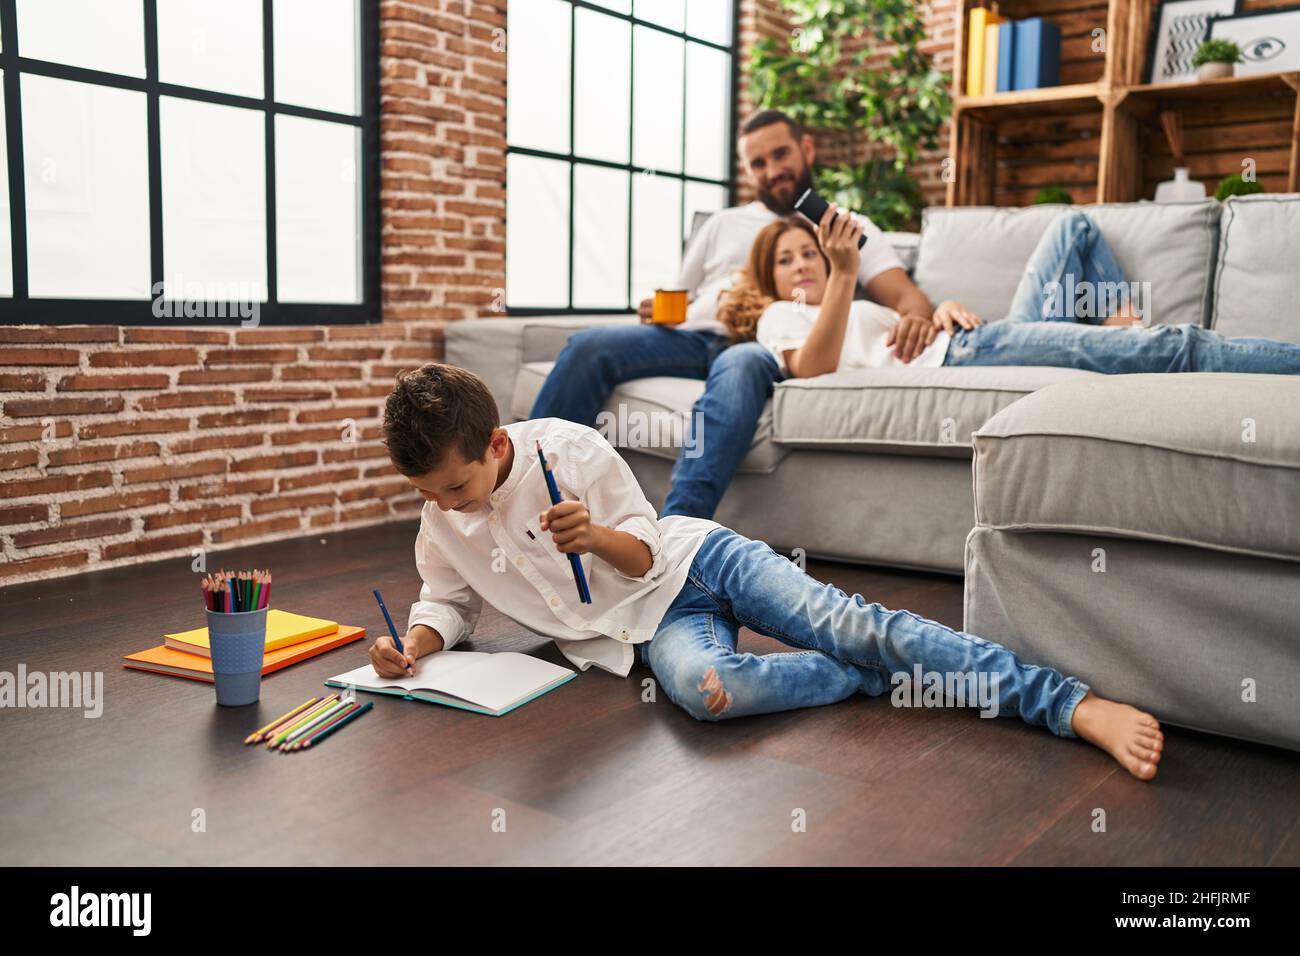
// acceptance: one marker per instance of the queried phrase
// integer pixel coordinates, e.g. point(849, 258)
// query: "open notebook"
point(471, 680)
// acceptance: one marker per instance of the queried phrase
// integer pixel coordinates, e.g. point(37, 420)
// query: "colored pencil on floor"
point(270, 728)
point(333, 727)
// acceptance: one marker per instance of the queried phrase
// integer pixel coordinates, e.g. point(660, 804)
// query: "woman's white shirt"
point(786, 325)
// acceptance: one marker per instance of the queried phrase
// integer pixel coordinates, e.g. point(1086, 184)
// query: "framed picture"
point(1269, 39)
point(1180, 27)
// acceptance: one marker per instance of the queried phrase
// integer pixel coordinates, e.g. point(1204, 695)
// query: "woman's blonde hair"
point(741, 306)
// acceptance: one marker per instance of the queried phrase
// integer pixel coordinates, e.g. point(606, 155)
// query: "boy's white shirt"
point(721, 248)
point(465, 559)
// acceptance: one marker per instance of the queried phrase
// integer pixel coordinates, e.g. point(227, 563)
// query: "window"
point(170, 161)
point(620, 121)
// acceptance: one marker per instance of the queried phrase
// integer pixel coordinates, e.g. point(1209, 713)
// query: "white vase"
point(1215, 71)
point(1181, 188)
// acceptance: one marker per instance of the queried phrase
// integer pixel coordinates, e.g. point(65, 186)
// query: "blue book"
point(1037, 45)
point(1006, 54)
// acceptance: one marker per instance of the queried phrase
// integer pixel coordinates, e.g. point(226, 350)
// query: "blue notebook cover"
point(1006, 54)
point(1037, 45)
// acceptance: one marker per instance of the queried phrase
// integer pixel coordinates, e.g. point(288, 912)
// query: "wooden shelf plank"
point(1230, 87)
point(1048, 99)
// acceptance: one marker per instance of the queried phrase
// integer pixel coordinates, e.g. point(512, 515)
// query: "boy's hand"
point(570, 525)
point(391, 663)
point(646, 310)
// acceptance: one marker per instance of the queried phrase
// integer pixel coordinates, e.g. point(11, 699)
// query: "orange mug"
point(669, 307)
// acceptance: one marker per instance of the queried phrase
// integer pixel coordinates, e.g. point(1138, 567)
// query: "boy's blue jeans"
point(848, 646)
point(738, 383)
point(1042, 329)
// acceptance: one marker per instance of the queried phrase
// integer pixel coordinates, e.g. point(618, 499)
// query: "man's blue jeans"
point(848, 646)
point(738, 383)
point(1073, 254)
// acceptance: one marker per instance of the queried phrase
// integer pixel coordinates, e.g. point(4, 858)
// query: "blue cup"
point(238, 643)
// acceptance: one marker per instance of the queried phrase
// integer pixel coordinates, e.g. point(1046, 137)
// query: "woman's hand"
point(838, 234)
point(951, 314)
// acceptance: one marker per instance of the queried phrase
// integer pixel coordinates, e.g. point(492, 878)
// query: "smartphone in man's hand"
point(814, 207)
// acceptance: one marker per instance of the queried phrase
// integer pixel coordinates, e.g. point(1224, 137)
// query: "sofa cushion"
point(1203, 459)
point(1257, 284)
point(976, 254)
point(651, 415)
point(923, 411)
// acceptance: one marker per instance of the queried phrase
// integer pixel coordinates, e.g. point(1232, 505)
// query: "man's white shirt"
point(500, 553)
point(719, 251)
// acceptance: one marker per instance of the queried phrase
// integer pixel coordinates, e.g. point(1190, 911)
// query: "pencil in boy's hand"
point(579, 577)
point(397, 641)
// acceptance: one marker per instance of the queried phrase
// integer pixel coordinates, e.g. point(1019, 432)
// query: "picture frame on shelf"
point(1269, 39)
point(1179, 27)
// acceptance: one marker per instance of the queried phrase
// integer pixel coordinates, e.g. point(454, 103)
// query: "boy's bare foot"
point(1129, 735)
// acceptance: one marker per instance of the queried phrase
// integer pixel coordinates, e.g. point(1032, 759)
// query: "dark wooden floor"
point(586, 775)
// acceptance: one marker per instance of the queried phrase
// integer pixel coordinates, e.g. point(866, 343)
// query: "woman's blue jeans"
point(846, 646)
point(1039, 330)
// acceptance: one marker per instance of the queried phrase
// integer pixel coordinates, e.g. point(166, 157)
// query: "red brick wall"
point(166, 440)
point(161, 441)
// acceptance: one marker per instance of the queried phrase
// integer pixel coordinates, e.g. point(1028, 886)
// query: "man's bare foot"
point(1129, 735)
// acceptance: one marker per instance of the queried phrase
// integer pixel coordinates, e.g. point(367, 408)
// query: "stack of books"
point(290, 638)
point(1007, 55)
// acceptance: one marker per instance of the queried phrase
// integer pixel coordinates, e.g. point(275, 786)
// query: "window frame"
point(573, 160)
point(21, 308)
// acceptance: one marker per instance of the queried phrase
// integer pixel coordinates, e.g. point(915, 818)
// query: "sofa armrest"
point(494, 349)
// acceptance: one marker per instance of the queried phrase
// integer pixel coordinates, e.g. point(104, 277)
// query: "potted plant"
point(1215, 59)
point(1235, 185)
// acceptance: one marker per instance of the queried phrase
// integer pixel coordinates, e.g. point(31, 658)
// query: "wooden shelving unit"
point(1104, 135)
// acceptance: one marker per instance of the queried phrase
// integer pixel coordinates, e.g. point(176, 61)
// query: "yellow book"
point(283, 629)
point(991, 54)
point(980, 20)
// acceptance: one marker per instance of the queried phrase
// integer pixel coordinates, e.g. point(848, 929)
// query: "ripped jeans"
point(846, 645)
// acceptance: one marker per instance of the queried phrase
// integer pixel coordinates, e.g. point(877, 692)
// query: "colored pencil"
point(335, 726)
point(579, 577)
point(277, 738)
point(318, 720)
point(298, 744)
point(257, 735)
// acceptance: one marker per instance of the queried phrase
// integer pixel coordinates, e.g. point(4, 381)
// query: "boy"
point(675, 590)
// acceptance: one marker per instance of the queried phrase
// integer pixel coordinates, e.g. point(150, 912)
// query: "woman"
point(797, 300)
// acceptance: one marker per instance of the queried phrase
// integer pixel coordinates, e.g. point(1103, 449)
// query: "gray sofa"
point(876, 466)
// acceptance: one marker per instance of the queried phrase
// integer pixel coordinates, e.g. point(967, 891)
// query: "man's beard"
point(802, 181)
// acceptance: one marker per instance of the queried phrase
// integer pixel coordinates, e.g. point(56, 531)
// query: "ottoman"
point(1142, 532)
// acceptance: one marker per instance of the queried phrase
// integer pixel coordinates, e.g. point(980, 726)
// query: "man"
point(777, 155)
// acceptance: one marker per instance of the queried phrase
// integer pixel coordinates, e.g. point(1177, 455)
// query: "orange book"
point(164, 660)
